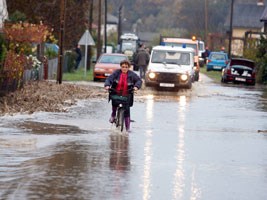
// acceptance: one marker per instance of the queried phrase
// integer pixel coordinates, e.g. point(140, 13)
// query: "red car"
point(240, 70)
point(106, 64)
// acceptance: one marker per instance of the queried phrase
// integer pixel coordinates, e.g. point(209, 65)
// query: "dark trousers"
point(77, 63)
point(142, 70)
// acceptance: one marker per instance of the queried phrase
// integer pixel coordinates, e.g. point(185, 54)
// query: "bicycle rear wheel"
point(120, 119)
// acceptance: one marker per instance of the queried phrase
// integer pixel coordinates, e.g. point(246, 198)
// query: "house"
point(149, 38)
point(264, 20)
point(112, 24)
point(246, 17)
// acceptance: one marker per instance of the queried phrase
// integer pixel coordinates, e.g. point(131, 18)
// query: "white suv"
point(171, 67)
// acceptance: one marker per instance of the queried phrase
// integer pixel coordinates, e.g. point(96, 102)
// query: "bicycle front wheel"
point(120, 119)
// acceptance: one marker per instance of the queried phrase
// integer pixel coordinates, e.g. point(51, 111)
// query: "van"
point(171, 67)
point(186, 43)
point(201, 50)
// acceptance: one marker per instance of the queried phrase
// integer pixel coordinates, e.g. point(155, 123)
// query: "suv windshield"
point(128, 45)
point(171, 57)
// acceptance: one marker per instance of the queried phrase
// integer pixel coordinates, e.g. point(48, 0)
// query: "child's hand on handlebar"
point(107, 87)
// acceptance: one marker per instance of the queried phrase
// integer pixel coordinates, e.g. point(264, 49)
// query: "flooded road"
point(198, 145)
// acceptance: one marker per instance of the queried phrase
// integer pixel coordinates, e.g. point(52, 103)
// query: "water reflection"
point(180, 180)
point(148, 148)
point(119, 153)
point(149, 108)
point(147, 166)
point(119, 164)
point(179, 177)
point(47, 176)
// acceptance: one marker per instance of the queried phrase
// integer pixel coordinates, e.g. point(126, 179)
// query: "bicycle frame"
point(119, 119)
point(121, 107)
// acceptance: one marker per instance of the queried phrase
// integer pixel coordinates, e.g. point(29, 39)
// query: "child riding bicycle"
point(121, 82)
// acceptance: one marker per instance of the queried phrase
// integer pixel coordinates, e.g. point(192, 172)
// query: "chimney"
point(260, 3)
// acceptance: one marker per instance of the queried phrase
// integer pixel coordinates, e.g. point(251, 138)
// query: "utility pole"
point(206, 21)
point(99, 29)
point(61, 41)
point(231, 30)
point(90, 30)
point(119, 24)
point(105, 27)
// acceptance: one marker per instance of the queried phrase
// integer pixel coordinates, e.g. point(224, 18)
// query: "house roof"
point(148, 36)
point(111, 19)
point(264, 15)
point(246, 16)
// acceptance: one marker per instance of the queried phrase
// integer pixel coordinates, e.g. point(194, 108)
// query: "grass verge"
point(78, 75)
point(214, 75)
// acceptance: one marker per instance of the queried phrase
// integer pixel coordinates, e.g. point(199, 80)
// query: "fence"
point(48, 70)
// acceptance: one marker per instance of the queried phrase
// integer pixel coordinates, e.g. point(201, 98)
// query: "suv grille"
point(167, 77)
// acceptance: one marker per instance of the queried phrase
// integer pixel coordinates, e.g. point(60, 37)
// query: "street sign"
point(86, 40)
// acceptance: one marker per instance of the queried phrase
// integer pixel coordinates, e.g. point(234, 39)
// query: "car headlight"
point(151, 75)
point(184, 77)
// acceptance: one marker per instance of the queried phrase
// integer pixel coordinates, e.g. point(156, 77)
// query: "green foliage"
point(261, 60)
point(251, 48)
point(113, 39)
point(3, 51)
point(50, 53)
point(257, 50)
point(17, 16)
point(70, 59)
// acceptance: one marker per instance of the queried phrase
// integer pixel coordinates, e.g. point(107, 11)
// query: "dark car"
point(106, 64)
point(217, 61)
point(239, 70)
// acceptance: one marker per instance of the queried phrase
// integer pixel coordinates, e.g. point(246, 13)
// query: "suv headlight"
point(151, 75)
point(184, 77)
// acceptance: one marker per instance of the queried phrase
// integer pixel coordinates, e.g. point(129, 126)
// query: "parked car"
point(240, 70)
point(106, 64)
point(217, 61)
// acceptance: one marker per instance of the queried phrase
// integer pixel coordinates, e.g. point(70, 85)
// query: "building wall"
point(238, 40)
point(240, 33)
point(111, 28)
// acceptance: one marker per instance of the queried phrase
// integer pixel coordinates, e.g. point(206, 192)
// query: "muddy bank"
point(47, 96)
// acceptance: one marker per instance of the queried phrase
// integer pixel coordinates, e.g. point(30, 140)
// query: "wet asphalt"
point(205, 143)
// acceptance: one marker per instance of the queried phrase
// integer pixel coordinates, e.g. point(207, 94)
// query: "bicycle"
point(121, 102)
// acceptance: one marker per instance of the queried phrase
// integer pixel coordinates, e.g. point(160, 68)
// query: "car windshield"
point(241, 67)
point(114, 59)
point(171, 57)
point(217, 57)
point(173, 44)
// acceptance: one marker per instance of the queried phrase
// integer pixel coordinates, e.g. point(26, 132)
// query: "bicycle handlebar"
point(114, 90)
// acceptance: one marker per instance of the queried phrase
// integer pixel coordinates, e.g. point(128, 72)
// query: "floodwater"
point(208, 143)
